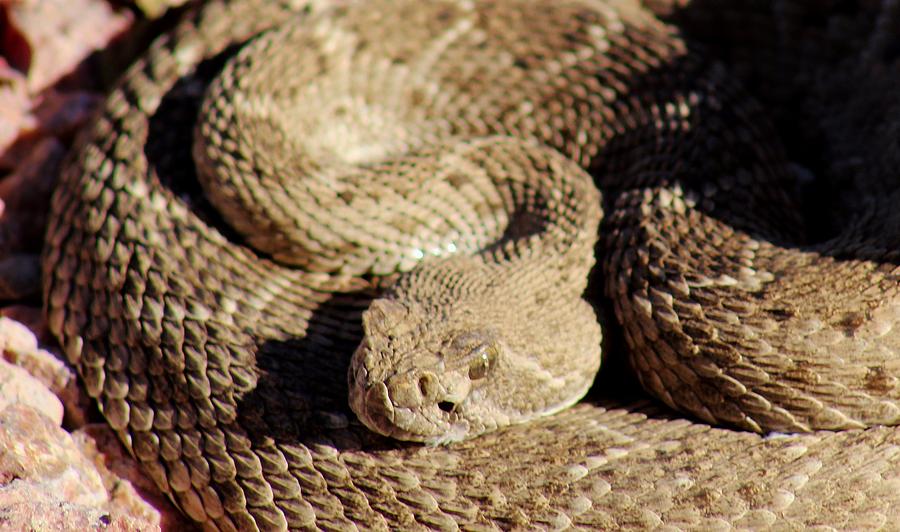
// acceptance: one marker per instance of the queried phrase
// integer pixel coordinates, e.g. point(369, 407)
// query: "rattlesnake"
point(217, 340)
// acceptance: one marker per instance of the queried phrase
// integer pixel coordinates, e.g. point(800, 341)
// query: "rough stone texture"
point(57, 35)
point(17, 387)
point(39, 462)
point(63, 516)
point(16, 338)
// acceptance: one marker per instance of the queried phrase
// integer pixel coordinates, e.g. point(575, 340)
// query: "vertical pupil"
point(479, 367)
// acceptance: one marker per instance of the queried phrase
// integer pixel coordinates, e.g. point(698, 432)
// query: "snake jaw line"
point(431, 424)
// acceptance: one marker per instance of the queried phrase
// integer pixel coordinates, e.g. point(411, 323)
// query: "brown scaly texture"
point(225, 372)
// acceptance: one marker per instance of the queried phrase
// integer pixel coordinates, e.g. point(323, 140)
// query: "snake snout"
point(378, 411)
point(413, 405)
point(414, 389)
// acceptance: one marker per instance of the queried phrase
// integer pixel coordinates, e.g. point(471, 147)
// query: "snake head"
point(410, 390)
point(437, 376)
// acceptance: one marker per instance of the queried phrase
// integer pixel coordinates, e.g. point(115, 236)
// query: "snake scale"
point(215, 321)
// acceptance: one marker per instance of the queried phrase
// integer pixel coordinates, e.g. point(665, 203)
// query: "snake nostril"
point(427, 385)
point(446, 406)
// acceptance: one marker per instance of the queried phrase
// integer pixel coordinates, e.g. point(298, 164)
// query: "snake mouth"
point(376, 411)
point(432, 424)
point(418, 409)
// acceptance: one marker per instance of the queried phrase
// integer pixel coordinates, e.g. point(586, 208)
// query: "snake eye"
point(484, 358)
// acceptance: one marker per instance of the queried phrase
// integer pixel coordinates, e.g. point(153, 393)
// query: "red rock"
point(16, 338)
point(62, 113)
point(26, 198)
point(32, 317)
point(17, 387)
point(20, 276)
point(39, 462)
point(56, 515)
point(59, 34)
point(15, 117)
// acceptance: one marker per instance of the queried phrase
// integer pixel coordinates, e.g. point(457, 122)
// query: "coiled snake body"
point(208, 276)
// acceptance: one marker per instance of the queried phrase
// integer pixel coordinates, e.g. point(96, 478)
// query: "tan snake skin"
point(215, 326)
